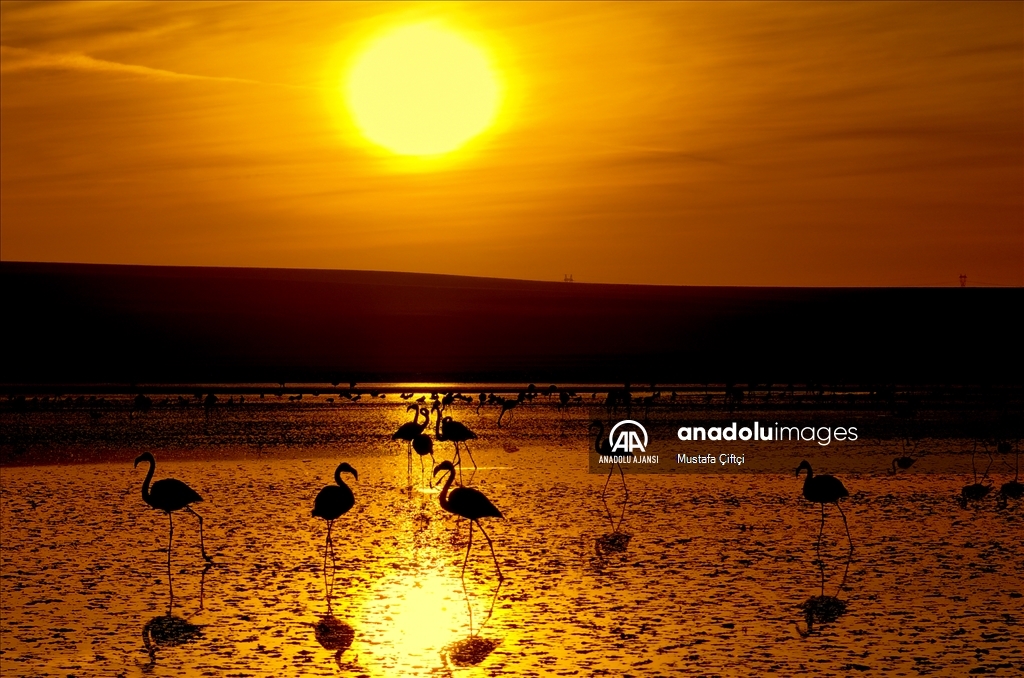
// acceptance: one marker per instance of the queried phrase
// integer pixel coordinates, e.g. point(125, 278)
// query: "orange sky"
point(689, 143)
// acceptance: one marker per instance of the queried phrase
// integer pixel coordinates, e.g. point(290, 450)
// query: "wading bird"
point(469, 504)
point(423, 446)
point(447, 429)
point(604, 448)
point(977, 490)
point(334, 501)
point(1013, 489)
point(901, 462)
point(824, 489)
point(507, 405)
point(170, 495)
point(409, 430)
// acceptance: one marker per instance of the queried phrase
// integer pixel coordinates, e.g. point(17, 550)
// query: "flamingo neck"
point(426, 420)
point(810, 474)
point(437, 427)
point(145, 483)
point(444, 490)
point(337, 477)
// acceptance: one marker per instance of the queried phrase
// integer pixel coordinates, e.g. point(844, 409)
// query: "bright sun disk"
point(422, 90)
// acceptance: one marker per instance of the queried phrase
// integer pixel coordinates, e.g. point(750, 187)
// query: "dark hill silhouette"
point(67, 323)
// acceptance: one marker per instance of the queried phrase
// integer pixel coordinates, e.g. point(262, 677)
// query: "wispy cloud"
point(15, 59)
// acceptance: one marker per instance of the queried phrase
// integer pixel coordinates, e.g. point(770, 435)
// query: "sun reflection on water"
point(416, 615)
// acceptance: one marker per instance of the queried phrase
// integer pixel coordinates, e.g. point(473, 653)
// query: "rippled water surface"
point(694, 575)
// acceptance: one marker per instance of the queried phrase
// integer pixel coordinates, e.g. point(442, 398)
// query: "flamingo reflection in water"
point(330, 632)
point(170, 630)
point(472, 650)
point(332, 502)
point(471, 504)
point(616, 541)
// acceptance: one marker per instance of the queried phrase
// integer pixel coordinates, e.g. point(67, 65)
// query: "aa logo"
point(625, 437)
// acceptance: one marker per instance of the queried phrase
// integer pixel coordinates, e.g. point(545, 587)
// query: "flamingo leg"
point(623, 475)
point(468, 547)
point(170, 540)
point(501, 577)
point(327, 543)
point(847, 526)
point(433, 463)
point(470, 455)
point(202, 546)
point(821, 563)
point(334, 564)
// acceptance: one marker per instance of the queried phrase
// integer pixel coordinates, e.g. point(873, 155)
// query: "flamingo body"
point(455, 431)
point(170, 494)
point(824, 489)
point(975, 491)
point(333, 501)
point(336, 500)
point(1012, 489)
point(471, 504)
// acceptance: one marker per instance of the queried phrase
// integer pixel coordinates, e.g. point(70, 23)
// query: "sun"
point(422, 90)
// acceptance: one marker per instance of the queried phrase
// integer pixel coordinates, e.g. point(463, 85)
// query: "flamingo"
point(507, 405)
point(423, 446)
point(604, 448)
point(409, 430)
point(901, 462)
point(447, 429)
point(334, 501)
point(976, 491)
point(470, 504)
point(1012, 489)
point(170, 495)
point(824, 489)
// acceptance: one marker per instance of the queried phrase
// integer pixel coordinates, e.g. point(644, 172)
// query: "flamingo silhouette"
point(409, 430)
point(332, 502)
point(507, 405)
point(977, 490)
point(901, 462)
point(170, 495)
point(447, 429)
point(469, 504)
point(1012, 489)
point(604, 448)
point(423, 445)
point(824, 489)
point(168, 631)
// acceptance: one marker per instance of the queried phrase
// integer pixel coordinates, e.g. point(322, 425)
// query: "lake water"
point(694, 575)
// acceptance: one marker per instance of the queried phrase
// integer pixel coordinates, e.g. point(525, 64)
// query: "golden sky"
point(678, 143)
